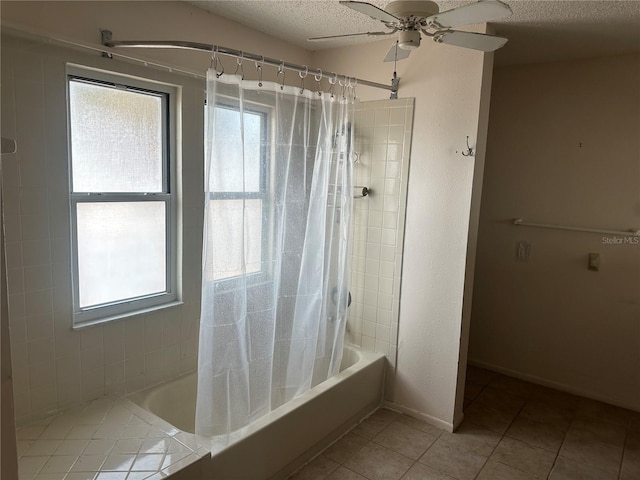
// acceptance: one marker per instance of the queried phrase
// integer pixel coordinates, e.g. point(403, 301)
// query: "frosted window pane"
point(116, 139)
point(121, 251)
point(228, 169)
point(225, 255)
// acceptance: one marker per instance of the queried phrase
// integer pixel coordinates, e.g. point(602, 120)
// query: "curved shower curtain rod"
point(108, 42)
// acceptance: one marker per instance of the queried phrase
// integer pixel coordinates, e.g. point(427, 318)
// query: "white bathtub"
point(277, 444)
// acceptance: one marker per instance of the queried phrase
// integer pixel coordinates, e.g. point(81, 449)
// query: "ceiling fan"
point(411, 18)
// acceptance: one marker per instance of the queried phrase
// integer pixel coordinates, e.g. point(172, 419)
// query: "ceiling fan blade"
point(331, 37)
point(473, 13)
point(396, 53)
point(372, 11)
point(475, 41)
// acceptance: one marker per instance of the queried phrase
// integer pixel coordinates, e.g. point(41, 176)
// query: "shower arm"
point(204, 47)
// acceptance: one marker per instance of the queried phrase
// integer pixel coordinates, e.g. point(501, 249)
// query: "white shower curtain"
point(278, 175)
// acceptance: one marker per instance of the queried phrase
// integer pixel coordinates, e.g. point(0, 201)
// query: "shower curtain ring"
point(215, 62)
point(239, 61)
point(318, 79)
point(281, 74)
point(332, 83)
point(343, 90)
point(302, 77)
point(259, 70)
point(214, 56)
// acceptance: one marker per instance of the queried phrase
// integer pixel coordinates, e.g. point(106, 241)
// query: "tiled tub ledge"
point(107, 439)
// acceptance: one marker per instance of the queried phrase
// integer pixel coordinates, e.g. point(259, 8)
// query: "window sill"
point(126, 315)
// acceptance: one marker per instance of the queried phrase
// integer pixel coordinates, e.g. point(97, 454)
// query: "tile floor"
point(513, 430)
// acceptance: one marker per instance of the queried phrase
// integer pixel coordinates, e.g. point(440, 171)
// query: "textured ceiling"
point(540, 30)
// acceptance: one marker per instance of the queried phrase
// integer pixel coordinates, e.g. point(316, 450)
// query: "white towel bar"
point(631, 232)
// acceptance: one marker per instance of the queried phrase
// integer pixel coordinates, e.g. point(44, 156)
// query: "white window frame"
point(143, 304)
point(266, 154)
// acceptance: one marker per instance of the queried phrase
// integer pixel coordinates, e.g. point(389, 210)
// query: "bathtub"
point(278, 443)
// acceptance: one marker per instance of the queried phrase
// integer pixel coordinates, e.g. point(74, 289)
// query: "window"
point(237, 194)
point(121, 195)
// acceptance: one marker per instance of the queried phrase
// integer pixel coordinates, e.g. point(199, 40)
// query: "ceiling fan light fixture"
point(409, 39)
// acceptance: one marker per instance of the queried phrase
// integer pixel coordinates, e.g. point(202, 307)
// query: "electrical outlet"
point(523, 251)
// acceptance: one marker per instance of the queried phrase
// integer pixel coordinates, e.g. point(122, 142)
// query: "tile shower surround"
point(382, 143)
point(55, 367)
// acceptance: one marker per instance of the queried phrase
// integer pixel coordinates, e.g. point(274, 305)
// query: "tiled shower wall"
point(54, 366)
point(382, 143)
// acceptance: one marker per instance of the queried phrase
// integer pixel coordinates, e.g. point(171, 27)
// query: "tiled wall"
point(55, 367)
point(383, 142)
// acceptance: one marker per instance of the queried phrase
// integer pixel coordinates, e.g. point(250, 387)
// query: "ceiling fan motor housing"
point(420, 9)
point(409, 39)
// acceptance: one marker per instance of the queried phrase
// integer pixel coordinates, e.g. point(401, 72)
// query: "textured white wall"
point(563, 148)
point(446, 83)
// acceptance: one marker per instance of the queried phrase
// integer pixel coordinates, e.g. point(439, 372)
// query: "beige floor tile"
point(318, 469)
point(512, 385)
point(501, 399)
point(488, 417)
point(601, 455)
point(452, 460)
point(601, 411)
point(420, 425)
point(630, 468)
point(632, 445)
point(631, 457)
point(473, 438)
point(345, 447)
point(600, 431)
point(542, 412)
point(378, 463)
point(405, 440)
point(522, 456)
point(555, 397)
point(479, 376)
point(420, 471)
point(375, 423)
point(345, 474)
point(471, 390)
point(634, 424)
point(568, 469)
point(541, 435)
point(498, 471)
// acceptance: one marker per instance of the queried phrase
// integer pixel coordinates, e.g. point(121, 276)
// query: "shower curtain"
point(278, 195)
